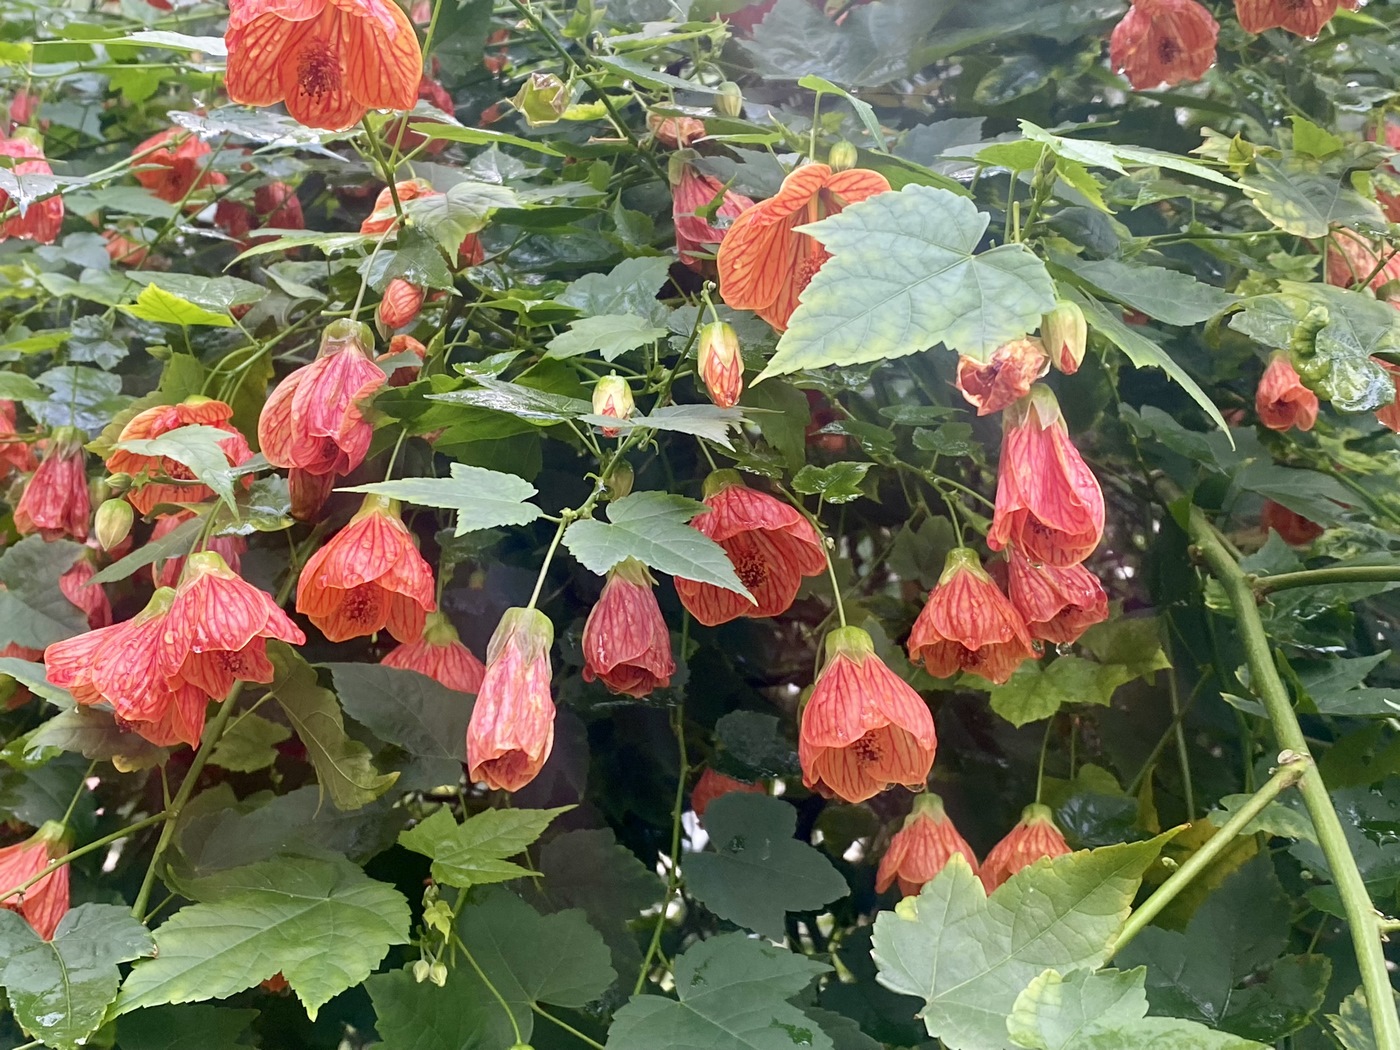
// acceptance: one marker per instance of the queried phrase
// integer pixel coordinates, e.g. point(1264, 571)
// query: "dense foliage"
point(694, 523)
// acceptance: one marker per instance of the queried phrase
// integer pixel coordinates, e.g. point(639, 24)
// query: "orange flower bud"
point(308, 492)
point(721, 364)
point(1058, 604)
point(1282, 400)
point(1163, 42)
point(921, 848)
point(147, 492)
point(400, 345)
point(369, 577)
point(612, 397)
point(863, 729)
point(77, 586)
point(45, 903)
point(511, 732)
point(440, 655)
point(56, 501)
point(967, 624)
point(278, 207)
point(712, 785)
point(625, 640)
point(770, 543)
point(385, 216)
point(1048, 501)
point(1006, 378)
point(1034, 838)
point(1065, 334)
point(174, 174)
point(400, 305)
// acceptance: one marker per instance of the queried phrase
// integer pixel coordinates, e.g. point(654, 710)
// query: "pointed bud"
point(421, 970)
point(400, 305)
point(620, 480)
point(730, 100)
point(1065, 333)
point(612, 397)
point(721, 364)
point(113, 523)
point(542, 99)
point(843, 156)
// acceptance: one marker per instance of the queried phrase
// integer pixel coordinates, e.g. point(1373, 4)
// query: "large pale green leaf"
point(465, 208)
point(212, 293)
point(196, 447)
point(1119, 158)
point(474, 852)
point(733, 994)
point(59, 990)
point(34, 676)
point(483, 499)
point(1300, 199)
point(903, 277)
point(319, 921)
point(1037, 690)
point(156, 304)
point(630, 287)
point(79, 396)
point(33, 611)
point(758, 871)
point(652, 527)
point(710, 422)
point(1170, 296)
point(343, 766)
point(1104, 1011)
point(968, 956)
point(611, 335)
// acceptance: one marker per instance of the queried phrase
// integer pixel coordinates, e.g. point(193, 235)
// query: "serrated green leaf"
point(903, 277)
point(1351, 1024)
point(516, 399)
point(465, 208)
point(968, 956)
point(17, 387)
point(483, 499)
point(1037, 690)
point(196, 447)
point(189, 1027)
point(34, 677)
point(1170, 296)
point(1299, 199)
point(33, 611)
point(733, 993)
point(759, 872)
point(474, 852)
point(651, 527)
point(156, 304)
point(59, 990)
point(1114, 157)
point(80, 396)
point(344, 768)
point(611, 335)
point(437, 129)
point(835, 483)
point(217, 294)
point(705, 421)
point(630, 287)
point(319, 921)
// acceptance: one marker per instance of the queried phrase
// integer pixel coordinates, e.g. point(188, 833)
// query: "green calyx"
point(341, 334)
point(719, 480)
point(438, 630)
point(849, 641)
point(1037, 813)
point(963, 559)
point(926, 806)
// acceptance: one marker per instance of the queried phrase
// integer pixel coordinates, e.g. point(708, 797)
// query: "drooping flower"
point(1058, 604)
point(1282, 401)
point(1389, 416)
point(330, 61)
point(1065, 334)
point(1292, 528)
point(401, 344)
point(1163, 42)
point(400, 305)
point(369, 577)
point(675, 132)
point(1301, 17)
point(45, 903)
point(440, 655)
point(177, 165)
point(124, 666)
point(308, 492)
point(511, 731)
point(39, 220)
point(1354, 259)
point(720, 364)
point(146, 493)
point(1048, 501)
point(56, 502)
point(625, 640)
point(691, 195)
point(313, 420)
point(14, 455)
point(77, 586)
point(713, 785)
point(1033, 839)
point(967, 624)
point(770, 543)
point(1004, 379)
point(401, 135)
point(123, 251)
point(764, 263)
point(612, 397)
point(385, 216)
point(921, 848)
point(233, 217)
point(219, 626)
point(863, 729)
point(278, 207)
point(167, 573)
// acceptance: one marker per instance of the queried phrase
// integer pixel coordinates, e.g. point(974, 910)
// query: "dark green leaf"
point(33, 611)
point(837, 483)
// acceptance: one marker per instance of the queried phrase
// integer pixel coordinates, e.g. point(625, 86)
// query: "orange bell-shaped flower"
point(77, 586)
point(385, 216)
point(764, 263)
point(440, 655)
point(720, 364)
point(14, 455)
point(1034, 838)
point(1300, 17)
point(330, 61)
point(625, 640)
point(40, 220)
point(713, 785)
point(1163, 42)
point(278, 207)
point(921, 848)
point(176, 166)
point(55, 502)
point(1004, 379)
point(770, 543)
point(511, 731)
point(863, 729)
point(314, 420)
point(369, 577)
point(147, 493)
point(1048, 501)
point(967, 624)
point(1058, 604)
point(45, 903)
point(167, 573)
point(691, 195)
point(1292, 528)
point(400, 305)
point(1282, 401)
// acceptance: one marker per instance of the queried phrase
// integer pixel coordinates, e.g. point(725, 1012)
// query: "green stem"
point(510, 1014)
point(673, 879)
point(566, 519)
point(1361, 915)
point(72, 855)
point(82, 787)
point(567, 1027)
point(1183, 753)
point(1328, 576)
point(1290, 772)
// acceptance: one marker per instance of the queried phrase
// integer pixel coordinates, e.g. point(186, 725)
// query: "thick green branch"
point(1324, 577)
point(1362, 918)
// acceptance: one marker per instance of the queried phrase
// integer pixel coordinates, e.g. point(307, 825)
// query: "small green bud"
point(1065, 333)
point(421, 970)
point(542, 99)
point(730, 100)
point(842, 157)
point(113, 522)
point(620, 480)
point(437, 973)
point(612, 397)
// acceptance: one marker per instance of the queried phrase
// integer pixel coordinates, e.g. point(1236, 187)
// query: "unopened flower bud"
point(612, 397)
point(400, 305)
point(542, 99)
point(437, 973)
point(113, 522)
point(422, 969)
point(1064, 333)
point(721, 365)
point(730, 100)
point(620, 480)
point(842, 156)
point(117, 483)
